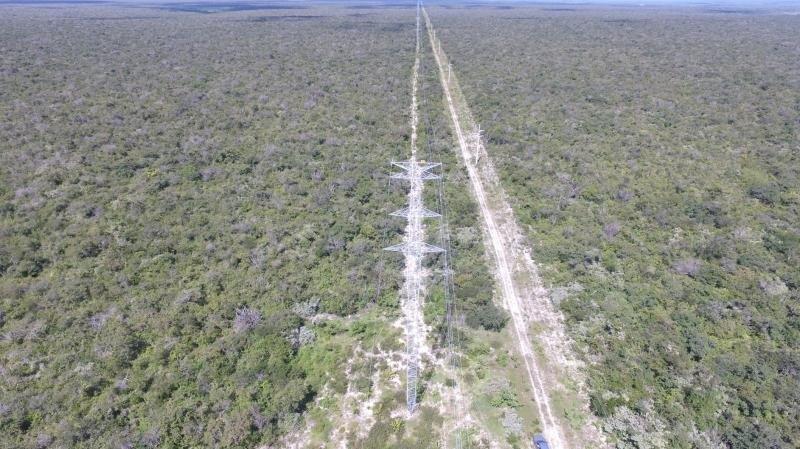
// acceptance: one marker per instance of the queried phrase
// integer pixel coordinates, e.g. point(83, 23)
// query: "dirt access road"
point(520, 285)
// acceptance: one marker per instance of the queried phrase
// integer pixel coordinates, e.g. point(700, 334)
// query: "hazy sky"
point(701, 3)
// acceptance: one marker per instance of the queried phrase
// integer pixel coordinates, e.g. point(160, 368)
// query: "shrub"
point(246, 319)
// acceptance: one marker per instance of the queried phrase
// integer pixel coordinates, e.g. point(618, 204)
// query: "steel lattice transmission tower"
point(414, 249)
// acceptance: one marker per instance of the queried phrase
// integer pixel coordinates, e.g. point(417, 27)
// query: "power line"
point(413, 247)
point(451, 305)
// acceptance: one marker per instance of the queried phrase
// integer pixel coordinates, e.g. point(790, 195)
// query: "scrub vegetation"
point(652, 156)
point(194, 198)
point(192, 212)
point(185, 199)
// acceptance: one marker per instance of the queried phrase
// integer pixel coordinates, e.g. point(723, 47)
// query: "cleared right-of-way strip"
point(521, 289)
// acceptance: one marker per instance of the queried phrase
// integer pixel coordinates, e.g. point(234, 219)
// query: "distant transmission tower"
point(418, 8)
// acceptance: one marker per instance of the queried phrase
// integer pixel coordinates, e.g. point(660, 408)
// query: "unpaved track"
point(523, 295)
